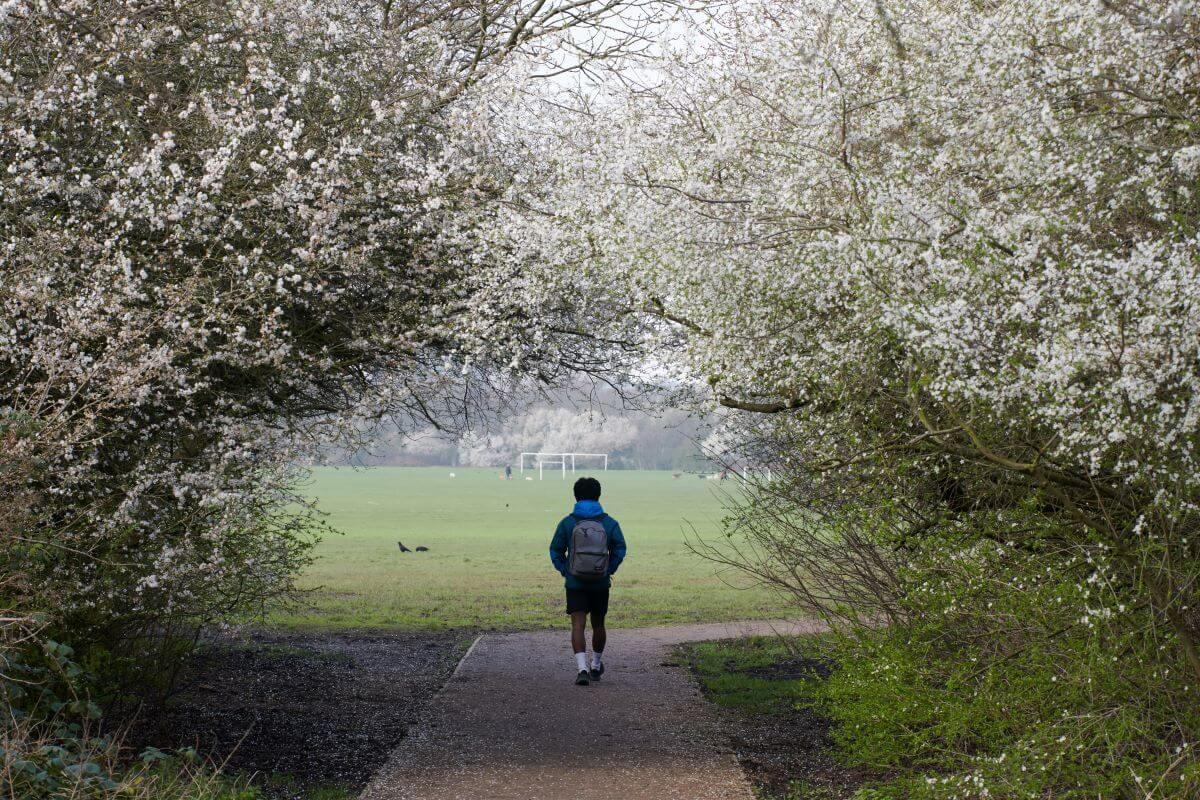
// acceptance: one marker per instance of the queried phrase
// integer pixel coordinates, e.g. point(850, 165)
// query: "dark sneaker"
point(597, 672)
point(582, 680)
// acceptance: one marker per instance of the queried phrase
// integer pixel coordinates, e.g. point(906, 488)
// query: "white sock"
point(581, 661)
point(596, 660)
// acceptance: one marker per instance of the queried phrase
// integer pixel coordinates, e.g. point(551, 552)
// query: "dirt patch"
point(793, 669)
point(306, 710)
point(788, 754)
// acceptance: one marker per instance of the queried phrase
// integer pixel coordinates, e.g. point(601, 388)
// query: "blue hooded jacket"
point(561, 543)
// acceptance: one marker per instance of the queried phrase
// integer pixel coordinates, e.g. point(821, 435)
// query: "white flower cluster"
point(993, 209)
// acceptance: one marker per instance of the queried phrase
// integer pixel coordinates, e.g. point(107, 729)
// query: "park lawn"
point(488, 564)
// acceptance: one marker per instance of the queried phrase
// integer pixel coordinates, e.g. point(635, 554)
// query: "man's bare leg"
point(599, 637)
point(579, 645)
point(579, 631)
point(599, 633)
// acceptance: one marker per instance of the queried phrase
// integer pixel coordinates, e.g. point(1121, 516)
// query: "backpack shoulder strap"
point(576, 520)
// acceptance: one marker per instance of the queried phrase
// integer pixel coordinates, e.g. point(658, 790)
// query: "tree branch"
point(763, 408)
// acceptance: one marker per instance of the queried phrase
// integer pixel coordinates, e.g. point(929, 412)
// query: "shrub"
point(230, 232)
point(51, 747)
point(995, 688)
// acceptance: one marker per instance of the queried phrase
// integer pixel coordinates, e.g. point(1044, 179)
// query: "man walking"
point(587, 549)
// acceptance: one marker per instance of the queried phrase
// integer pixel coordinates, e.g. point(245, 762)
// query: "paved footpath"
point(511, 725)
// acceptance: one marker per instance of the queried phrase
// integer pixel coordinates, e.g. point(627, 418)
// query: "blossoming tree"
point(945, 258)
point(226, 228)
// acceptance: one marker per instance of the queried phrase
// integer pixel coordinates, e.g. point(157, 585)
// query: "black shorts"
point(592, 600)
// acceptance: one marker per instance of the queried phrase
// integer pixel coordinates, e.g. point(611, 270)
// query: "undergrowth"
point(52, 746)
point(1000, 688)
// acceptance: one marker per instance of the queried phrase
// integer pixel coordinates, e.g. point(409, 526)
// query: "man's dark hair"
point(587, 489)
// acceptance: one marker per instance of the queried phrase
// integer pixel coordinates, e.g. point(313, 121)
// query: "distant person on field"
point(508, 472)
point(587, 548)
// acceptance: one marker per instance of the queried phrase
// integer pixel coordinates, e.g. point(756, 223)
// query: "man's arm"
point(558, 548)
point(618, 548)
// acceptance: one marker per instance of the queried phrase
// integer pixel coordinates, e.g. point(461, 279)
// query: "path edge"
point(458, 667)
point(417, 726)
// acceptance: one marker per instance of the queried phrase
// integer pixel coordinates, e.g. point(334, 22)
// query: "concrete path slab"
point(511, 725)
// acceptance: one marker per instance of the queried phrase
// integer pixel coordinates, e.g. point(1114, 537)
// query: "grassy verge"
point(773, 690)
point(761, 674)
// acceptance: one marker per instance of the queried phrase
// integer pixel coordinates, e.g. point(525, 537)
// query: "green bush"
point(1002, 685)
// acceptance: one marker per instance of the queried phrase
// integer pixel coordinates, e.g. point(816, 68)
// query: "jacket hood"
point(587, 508)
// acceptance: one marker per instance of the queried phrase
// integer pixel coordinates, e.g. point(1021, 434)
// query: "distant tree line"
point(669, 439)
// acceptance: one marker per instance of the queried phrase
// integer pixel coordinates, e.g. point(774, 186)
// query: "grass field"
point(488, 564)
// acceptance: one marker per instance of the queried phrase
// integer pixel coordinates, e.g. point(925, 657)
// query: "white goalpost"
point(745, 473)
point(560, 461)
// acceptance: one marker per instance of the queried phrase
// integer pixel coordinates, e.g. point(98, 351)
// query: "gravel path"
point(510, 725)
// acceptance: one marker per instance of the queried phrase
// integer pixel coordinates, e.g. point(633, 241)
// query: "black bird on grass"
point(403, 549)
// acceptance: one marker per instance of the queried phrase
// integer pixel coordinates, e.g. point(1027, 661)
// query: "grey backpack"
point(589, 550)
